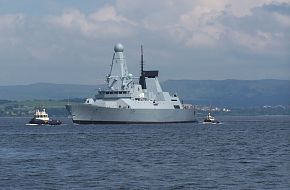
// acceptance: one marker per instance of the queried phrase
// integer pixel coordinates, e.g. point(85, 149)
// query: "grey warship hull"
point(126, 100)
point(91, 114)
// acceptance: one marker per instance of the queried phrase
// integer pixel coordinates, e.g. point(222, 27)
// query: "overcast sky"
point(71, 41)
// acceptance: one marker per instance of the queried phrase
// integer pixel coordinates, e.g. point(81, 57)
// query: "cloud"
point(9, 25)
point(204, 23)
point(195, 24)
point(206, 39)
point(211, 24)
point(284, 20)
point(11, 20)
point(104, 23)
point(263, 31)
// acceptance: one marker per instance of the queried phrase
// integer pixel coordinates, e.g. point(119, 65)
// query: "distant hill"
point(239, 93)
point(46, 91)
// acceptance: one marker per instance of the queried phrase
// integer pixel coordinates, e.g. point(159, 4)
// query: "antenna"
point(142, 60)
point(68, 100)
point(142, 81)
point(112, 65)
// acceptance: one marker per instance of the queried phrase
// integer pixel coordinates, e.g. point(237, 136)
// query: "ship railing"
point(113, 92)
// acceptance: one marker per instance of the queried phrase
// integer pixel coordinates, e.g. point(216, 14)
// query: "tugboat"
point(41, 118)
point(210, 120)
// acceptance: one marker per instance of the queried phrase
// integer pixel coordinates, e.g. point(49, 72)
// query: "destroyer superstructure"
point(129, 100)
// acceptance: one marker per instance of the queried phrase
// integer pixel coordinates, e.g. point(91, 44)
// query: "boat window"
point(176, 107)
point(174, 100)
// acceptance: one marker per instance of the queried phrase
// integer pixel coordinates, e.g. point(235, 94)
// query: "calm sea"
point(241, 153)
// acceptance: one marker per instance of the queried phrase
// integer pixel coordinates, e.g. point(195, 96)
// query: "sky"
point(71, 41)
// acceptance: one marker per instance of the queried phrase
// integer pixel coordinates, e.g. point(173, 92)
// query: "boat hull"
point(91, 114)
point(206, 121)
point(42, 122)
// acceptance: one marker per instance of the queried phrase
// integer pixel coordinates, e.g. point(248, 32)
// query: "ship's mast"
point(142, 60)
point(142, 76)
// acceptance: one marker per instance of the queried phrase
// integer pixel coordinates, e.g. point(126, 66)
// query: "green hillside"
point(240, 93)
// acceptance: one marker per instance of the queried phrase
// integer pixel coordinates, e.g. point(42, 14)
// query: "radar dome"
point(130, 76)
point(119, 48)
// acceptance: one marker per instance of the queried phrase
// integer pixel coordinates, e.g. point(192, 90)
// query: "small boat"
point(210, 120)
point(41, 118)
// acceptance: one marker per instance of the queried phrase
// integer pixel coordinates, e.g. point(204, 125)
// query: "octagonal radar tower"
point(118, 78)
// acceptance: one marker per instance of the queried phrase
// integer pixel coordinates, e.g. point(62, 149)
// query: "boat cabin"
point(42, 115)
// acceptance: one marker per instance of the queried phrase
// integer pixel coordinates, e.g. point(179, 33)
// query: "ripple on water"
point(243, 153)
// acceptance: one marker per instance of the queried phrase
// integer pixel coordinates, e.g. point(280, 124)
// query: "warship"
point(128, 99)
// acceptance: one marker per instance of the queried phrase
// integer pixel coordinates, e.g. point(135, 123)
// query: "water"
point(242, 153)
